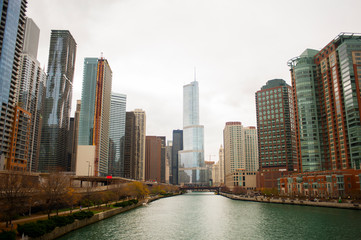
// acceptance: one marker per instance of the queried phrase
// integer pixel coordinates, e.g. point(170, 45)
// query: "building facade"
point(11, 42)
point(276, 132)
point(57, 101)
point(240, 155)
point(192, 169)
point(117, 134)
point(95, 111)
point(153, 159)
point(177, 146)
point(327, 99)
point(134, 146)
point(31, 86)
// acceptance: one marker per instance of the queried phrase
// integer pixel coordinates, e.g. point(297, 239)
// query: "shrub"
point(83, 214)
point(31, 229)
point(61, 221)
point(126, 203)
point(7, 235)
point(48, 225)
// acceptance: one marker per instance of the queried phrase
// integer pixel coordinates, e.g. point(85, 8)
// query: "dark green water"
point(209, 216)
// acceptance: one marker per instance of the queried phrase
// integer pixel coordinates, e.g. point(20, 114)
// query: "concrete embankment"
point(332, 204)
point(60, 231)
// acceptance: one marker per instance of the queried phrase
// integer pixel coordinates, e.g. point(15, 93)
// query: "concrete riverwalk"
point(330, 204)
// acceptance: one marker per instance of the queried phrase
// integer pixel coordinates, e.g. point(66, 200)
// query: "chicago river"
point(209, 216)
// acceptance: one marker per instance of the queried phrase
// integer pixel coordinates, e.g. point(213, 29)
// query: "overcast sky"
point(152, 47)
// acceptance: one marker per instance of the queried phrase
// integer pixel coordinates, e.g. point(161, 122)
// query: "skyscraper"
point(326, 89)
point(240, 155)
point(31, 84)
point(117, 134)
point(276, 132)
point(11, 41)
point(134, 146)
point(191, 164)
point(177, 146)
point(57, 103)
point(101, 117)
point(95, 112)
point(153, 149)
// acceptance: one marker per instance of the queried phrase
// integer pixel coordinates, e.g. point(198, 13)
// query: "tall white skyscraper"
point(192, 169)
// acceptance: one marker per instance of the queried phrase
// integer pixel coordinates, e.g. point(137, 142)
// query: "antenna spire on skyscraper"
point(195, 73)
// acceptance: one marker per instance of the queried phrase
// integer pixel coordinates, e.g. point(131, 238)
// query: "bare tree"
point(55, 189)
point(16, 188)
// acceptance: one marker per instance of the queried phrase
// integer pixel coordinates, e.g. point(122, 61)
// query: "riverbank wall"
point(60, 231)
point(293, 201)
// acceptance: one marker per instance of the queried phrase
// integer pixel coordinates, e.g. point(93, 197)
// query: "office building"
point(57, 102)
point(95, 112)
point(117, 134)
point(134, 146)
point(177, 145)
point(192, 169)
point(11, 41)
point(153, 159)
point(276, 132)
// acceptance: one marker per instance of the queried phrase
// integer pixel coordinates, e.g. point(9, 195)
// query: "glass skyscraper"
point(86, 121)
point(192, 169)
point(95, 111)
point(11, 40)
point(57, 103)
point(326, 88)
point(117, 134)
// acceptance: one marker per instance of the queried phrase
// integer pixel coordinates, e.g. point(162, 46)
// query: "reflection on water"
point(209, 216)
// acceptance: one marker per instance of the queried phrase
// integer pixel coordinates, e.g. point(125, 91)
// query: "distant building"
point(168, 162)
point(57, 102)
point(153, 149)
point(209, 166)
point(177, 146)
point(276, 132)
point(134, 146)
point(73, 139)
point(192, 169)
point(240, 155)
point(95, 112)
point(117, 134)
point(11, 41)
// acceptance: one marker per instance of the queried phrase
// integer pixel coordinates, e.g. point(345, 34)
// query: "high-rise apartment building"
point(177, 145)
point(117, 134)
point(276, 132)
point(31, 86)
point(240, 155)
point(57, 101)
point(326, 89)
point(95, 112)
point(134, 146)
point(11, 42)
point(192, 169)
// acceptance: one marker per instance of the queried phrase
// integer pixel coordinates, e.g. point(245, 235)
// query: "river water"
point(209, 216)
